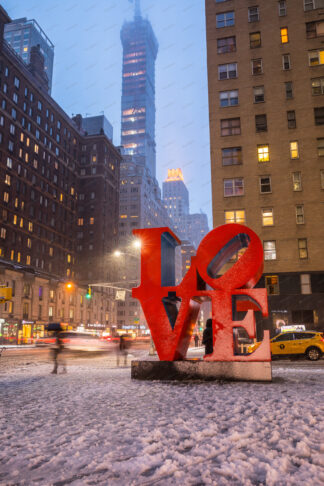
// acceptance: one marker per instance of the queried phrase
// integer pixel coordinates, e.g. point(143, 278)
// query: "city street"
point(94, 425)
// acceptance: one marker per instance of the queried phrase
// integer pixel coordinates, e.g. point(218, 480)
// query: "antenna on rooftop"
point(137, 12)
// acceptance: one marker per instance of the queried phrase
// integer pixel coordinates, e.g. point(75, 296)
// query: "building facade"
point(22, 35)
point(52, 176)
point(176, 202)
point(266, 104)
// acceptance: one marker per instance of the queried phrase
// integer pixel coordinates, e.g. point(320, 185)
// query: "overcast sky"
point(87, 74)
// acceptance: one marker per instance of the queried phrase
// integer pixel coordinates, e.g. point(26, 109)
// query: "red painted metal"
point(236, 284)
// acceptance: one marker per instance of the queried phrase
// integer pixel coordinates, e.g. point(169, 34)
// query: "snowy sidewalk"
point(95, 425)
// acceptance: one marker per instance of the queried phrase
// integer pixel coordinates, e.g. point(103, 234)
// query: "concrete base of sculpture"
point(202, 370)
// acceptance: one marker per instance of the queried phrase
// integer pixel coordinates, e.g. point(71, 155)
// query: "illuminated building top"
point(174, 175)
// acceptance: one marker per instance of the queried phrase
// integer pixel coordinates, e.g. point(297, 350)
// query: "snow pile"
point(97, 426)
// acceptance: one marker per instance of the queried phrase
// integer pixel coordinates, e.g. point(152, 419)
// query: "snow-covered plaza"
point(95, 426)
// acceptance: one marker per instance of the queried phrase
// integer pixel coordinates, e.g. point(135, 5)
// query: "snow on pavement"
point(95, 426)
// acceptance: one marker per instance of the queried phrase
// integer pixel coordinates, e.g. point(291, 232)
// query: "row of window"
point(232, 126)
point(234, 155)
point(272, 286)
point(230, 70)
point(235, 186)
point(254, 13)
point(231, 97)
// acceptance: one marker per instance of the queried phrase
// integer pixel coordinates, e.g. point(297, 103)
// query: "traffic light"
point(88, 294)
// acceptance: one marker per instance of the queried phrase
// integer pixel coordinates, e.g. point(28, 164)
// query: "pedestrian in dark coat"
point(196, 338)
point(122, 350)
point(207, 339)
point(57, 352)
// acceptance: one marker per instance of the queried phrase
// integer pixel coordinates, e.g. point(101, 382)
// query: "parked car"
point(297, 343)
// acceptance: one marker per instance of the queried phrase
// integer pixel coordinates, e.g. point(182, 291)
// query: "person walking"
point(196, 338)
point(122, 350)
point(207, 339)
point(57, 353)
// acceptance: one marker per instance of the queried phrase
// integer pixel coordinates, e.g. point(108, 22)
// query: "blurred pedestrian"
point(122, 349)
point(207, 339)
point(58, 352)
point(196, 338)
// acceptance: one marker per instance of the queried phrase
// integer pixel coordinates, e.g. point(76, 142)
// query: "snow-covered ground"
point(95, 426)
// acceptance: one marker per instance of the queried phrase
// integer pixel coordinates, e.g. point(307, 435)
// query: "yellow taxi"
point(307, 343)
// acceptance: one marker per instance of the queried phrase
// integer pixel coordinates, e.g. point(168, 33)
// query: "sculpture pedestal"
point(202, 370)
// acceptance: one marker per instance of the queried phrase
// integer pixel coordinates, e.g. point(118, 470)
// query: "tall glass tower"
point(22, 35)
point(140, 49)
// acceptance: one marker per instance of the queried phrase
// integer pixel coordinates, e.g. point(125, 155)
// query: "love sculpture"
point(171, 311)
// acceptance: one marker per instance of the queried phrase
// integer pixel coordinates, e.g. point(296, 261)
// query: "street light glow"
point(137, 243)
point(117, 253)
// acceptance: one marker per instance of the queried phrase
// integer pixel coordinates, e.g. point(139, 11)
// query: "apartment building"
point(266, 108)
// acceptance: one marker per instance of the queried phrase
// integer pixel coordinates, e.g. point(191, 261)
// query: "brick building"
point(266, 102)
point(52, 176)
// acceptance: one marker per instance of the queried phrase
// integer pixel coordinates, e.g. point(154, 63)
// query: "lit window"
point(253, 14)
point(297, 184)
point(91, 220)
point(235, 216)
point(302, 248)
point(300, 214)
point(269, 248)
point(18, 257)
point(272, 284)
point(21, 223)
point(286, 62)
point(29, 243)
point(284, 35)
point(265, 184)
point(80, 221)
point(94, 158)
point(7, 179)
point(234, 187)
point(36, 148)
point(226, 19)
point(30, 226)
point(6, 197)
point(294, 152)
point(3, 233)
point(263, 153)
point(51, 251)
point(68, 258)
point(315, 58)
point(12, 254)
point(14, 219)
point(267, 216)
point(28, 260)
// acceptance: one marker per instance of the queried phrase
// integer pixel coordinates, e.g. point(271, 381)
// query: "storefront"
point(8, 331)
